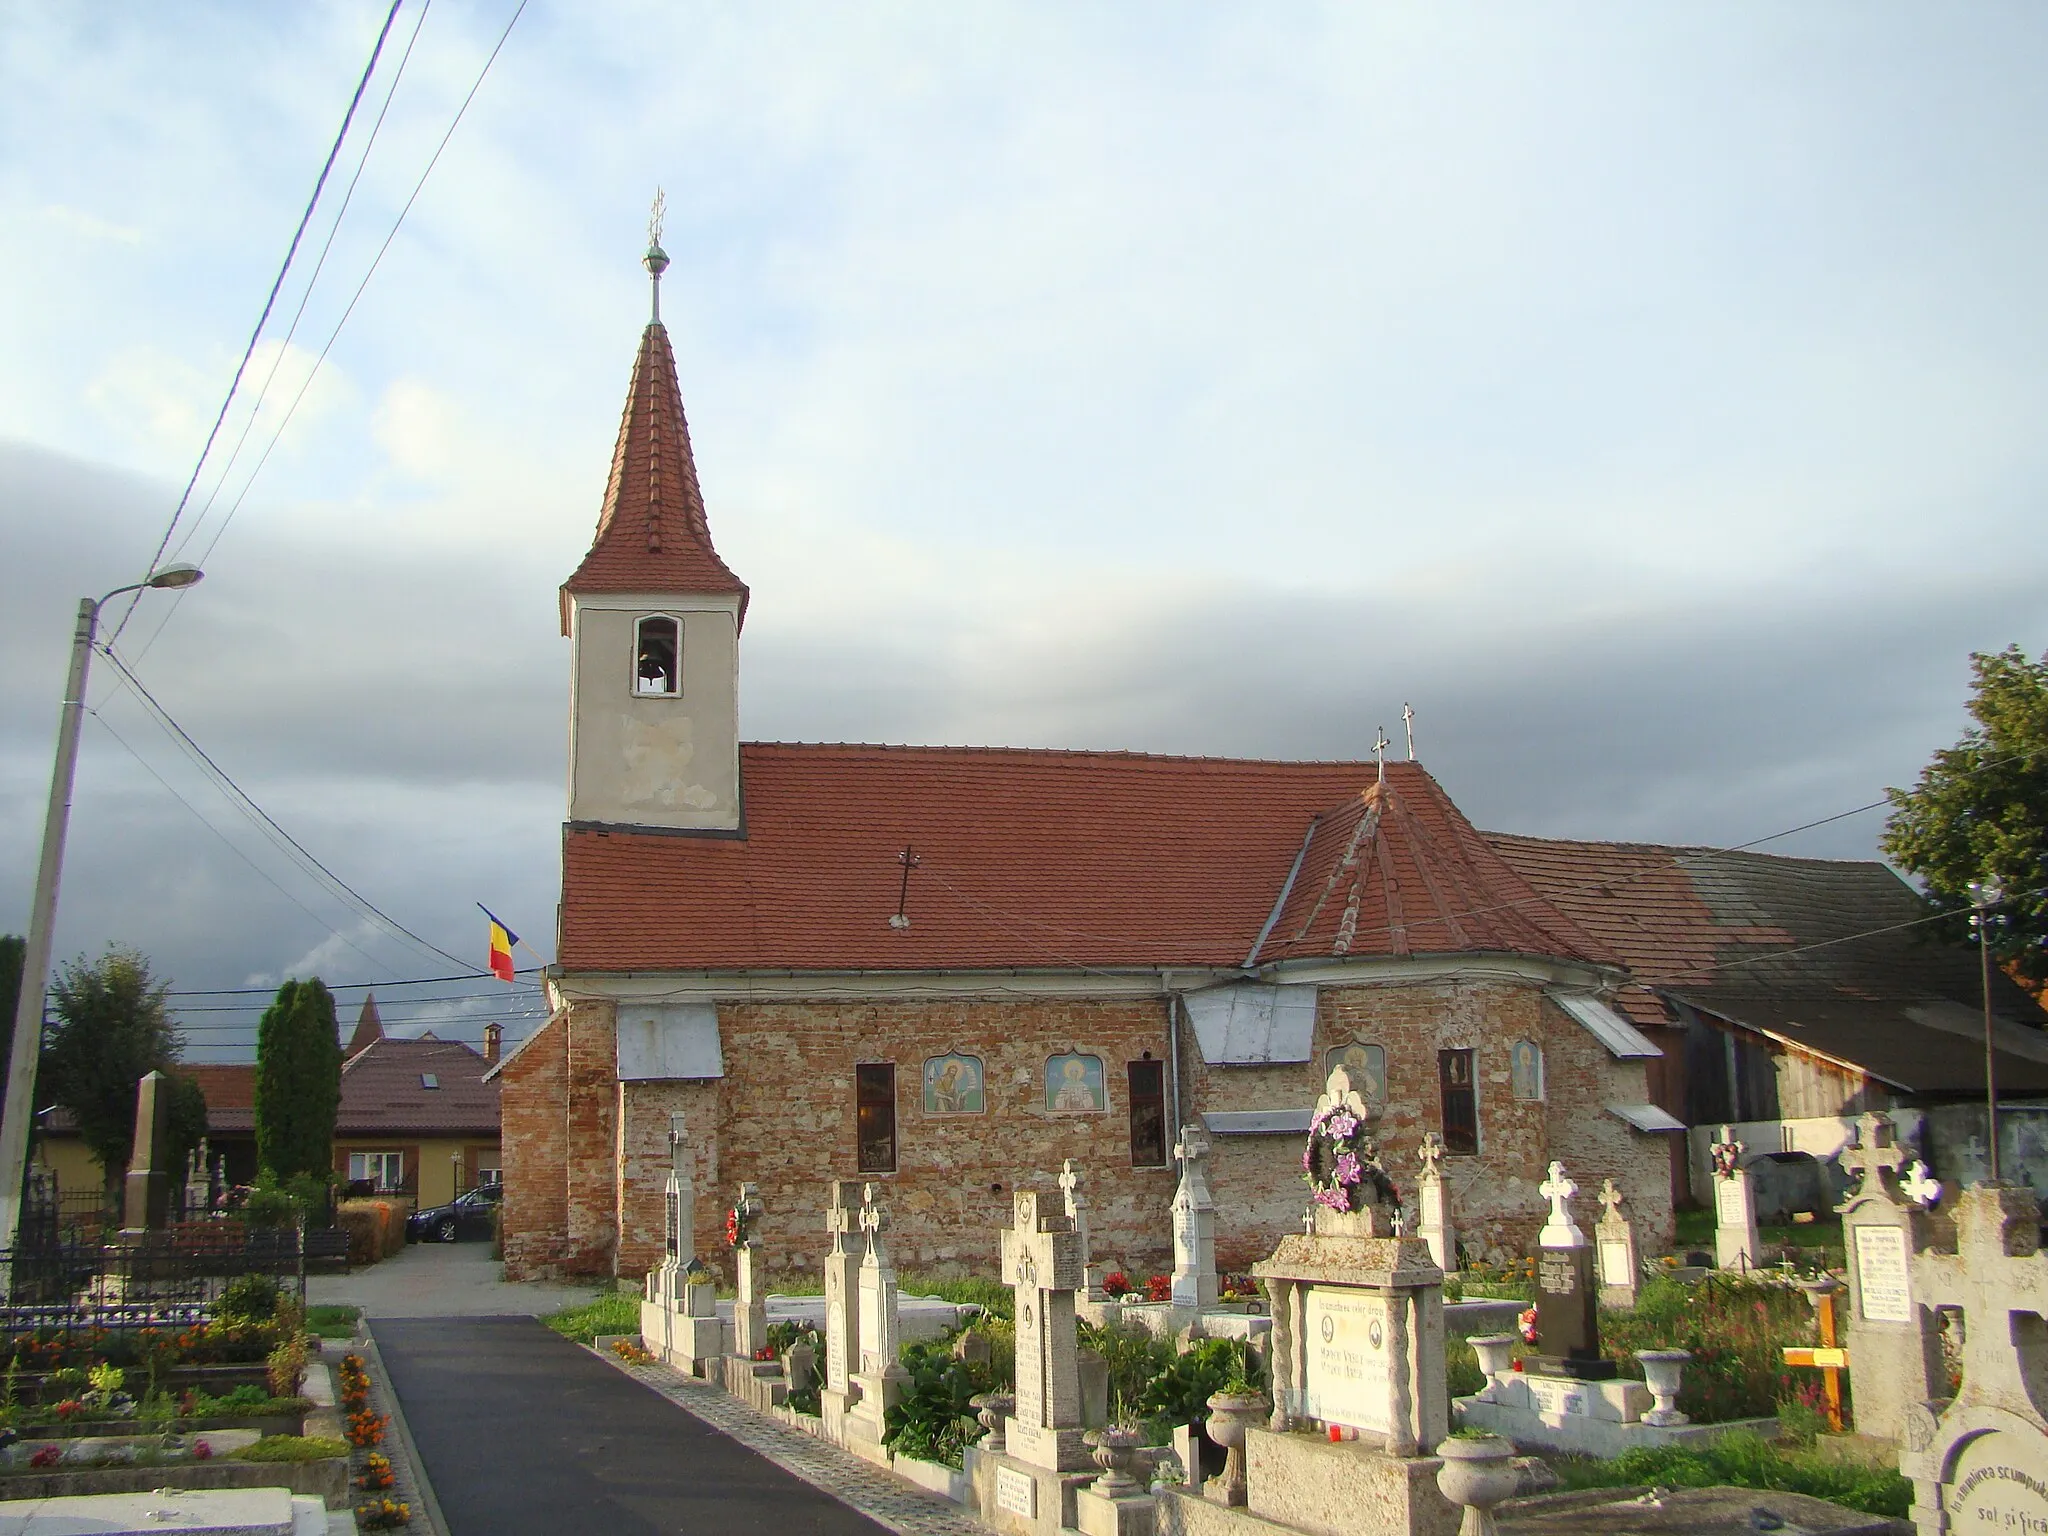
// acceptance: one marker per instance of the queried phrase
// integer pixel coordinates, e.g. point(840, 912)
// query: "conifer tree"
point(298, 1082)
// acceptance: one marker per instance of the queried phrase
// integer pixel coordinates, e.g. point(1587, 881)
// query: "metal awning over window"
point(1257, 1122)
point(1249, 1023)
point(1621, 1038)
point(1646, 1117)
point(669, 1040)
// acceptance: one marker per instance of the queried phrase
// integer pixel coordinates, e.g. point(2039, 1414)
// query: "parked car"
point(466, 1216)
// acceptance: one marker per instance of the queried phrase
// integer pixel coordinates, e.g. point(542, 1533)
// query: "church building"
point(948, 970)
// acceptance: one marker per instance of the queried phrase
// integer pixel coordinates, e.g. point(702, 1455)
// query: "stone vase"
point(995, 1409)
point(1230, 1415)
point(1478, 1472)
point(1496, 1352)
point(1115, 1448)
point(1663, 1369)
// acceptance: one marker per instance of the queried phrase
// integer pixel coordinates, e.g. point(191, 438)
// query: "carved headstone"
point(1433, 1217)
point(1042, 1263)
point(882, 1375)
point(1567, 1300)
point(1077, 1213)
point(1614, 1245)
point(1194, 1223)
point(750, 1311)
point(1895, 1336)
point(1736, 1244)
point(1984, 1465)
point(147, 1192)
point(842, 1286)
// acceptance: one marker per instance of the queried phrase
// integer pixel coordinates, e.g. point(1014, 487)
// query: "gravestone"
point(1983, 1466)
point(146, 1195)
point(1042, 1262)
point(1736, 1244)
point(750, 1311)
point(1614, 1244)
point(842, 1297)
point(1077, 1213)
point(881, 1377)
point(1433, 1217)
point(1567, 1297)
point(1357, 1367)
point(1894, 1337)
point(679, 1321)
point(1194, 1223)
point(198, 1183)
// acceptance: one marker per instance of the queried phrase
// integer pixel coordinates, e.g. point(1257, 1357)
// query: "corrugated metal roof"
point(1645, 1117)
point(1257, 1122)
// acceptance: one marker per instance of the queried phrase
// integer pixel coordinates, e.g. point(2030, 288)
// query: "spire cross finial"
point(1379, 751)
point(1408, 720)
point(656, 259)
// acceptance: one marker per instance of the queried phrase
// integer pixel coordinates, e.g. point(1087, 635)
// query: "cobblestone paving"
point(881, 1496)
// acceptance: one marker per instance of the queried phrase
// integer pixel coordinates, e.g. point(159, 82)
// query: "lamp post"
point(19, 1109)
point(1984, 895)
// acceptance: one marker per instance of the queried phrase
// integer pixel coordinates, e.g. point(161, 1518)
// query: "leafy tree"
point(298, 1082)
point(1980, 810)
point(111, 1027)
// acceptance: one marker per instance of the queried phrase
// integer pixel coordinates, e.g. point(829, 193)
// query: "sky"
point(1650, 396)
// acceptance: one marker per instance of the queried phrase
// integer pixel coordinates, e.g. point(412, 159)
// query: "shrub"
point(1134, 1356)
point(375, 1228)
point(935, 1421)
point(1180, 1394)
point(285, 1365)
point(1736, 1330)
point(1744, 1460)
point(247, 1299)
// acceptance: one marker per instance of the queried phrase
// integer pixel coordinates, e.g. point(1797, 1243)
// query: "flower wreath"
point(1727, 1157)
point(1342, 1161)
point(739, 1227)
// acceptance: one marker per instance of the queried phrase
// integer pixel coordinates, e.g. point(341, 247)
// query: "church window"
point(657, 656)
point(1148, 1113)
point(875, 1116)
point(1460, 1100)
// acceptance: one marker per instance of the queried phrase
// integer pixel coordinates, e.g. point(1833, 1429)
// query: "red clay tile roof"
point(1791, 946)
point(230, 1089)
point(382, 1093)
point(1033, 859)
point(652, 534)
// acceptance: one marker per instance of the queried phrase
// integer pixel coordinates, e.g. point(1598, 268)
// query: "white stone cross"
point(874, 1216)
point(1432, 1155)
point(1559, 1230)
point(1874, 1155)
point(1611, 1198)
point(676, 1159)
point(1193, 1145)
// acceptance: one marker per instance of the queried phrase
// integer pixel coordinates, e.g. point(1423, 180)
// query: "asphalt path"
point(521, 1431)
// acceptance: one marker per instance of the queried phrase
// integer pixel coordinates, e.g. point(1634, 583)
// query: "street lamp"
point(35, 963)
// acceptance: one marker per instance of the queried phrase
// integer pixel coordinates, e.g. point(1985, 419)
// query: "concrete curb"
point(401, 1434)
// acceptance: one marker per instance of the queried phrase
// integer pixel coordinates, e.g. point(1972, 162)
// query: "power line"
point(351, 986)
point(269, 821)
point(298, 234)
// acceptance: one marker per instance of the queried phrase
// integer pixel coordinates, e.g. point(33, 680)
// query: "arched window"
point(657, 656)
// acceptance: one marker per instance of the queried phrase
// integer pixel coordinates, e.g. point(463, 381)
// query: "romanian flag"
point(502, 940)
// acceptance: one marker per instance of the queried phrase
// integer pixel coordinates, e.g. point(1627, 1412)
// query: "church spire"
point(652, 534)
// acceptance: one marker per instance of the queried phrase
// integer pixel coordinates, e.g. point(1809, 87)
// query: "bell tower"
point(653, 617)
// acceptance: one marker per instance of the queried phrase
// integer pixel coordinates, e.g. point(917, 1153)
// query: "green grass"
point(614, 1312)
point(292, 1448)
point(1695, 1230)
point(332, 1322)
point(1746, 1461)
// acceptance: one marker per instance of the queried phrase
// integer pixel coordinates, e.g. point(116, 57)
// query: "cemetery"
point(1373, 1384)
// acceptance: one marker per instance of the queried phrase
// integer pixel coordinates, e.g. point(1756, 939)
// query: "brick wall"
point(784, 1117)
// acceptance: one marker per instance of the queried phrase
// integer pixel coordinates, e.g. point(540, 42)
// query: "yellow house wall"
point(439, 1160)
point(78, 1171)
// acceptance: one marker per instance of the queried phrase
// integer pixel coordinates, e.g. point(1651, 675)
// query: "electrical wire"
point(298, 234)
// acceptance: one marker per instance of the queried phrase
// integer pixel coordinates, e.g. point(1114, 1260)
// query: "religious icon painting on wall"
point(1366, 1065)
point(1074, 1086)
point(953, 1085)
point(1525, 1064)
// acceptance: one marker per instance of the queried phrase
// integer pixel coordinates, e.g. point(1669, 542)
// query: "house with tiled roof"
point(1803, 992)
point(949, 970)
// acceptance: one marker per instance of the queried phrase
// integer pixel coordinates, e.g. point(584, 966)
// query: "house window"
point(875, 1116)
point(1148, 1113)
point(384, 1170)
point(657, 656)
point(487, 1174)
point(1460, 1100)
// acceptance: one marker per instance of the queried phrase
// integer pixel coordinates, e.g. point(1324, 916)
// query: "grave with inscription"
point(146, 1192)
point(1736, 1244)
point(1983, 1464)
point(842, 1304)
point(747, 1373)
point(1568, 1397)
point(1094, 1303)
point(1357, 1352)
point(881, 1378)
point(1194, 1224)
point(1028, 1488)
point(1614, 1250)
point(679, 1319)
point(1896, 1339)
